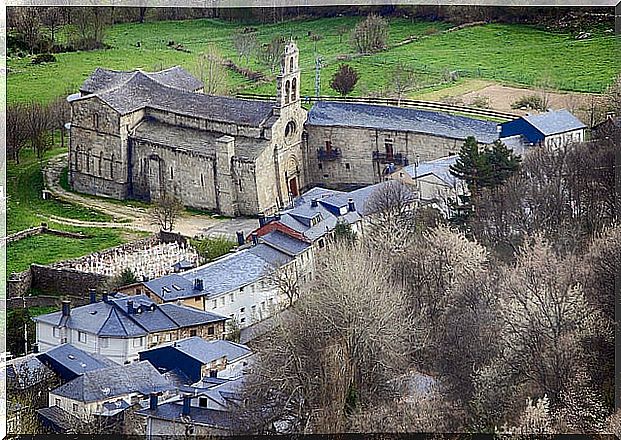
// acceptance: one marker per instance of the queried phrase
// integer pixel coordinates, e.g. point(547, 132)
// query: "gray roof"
point(111, 318)
point(555, 122)
point(208, 351)
point(228, 273)
point(25, 371)
point(102, 79)
point(327, 113)
point(61, 420)
point(192, 139)
point(285, 243)
point(438, 167)
point(73, 359)
point(140, 91)
point(120, 380)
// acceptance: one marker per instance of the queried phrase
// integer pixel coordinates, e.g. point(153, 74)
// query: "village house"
point(195, 358)
point(200, 410)
point(554, 129)
point(237, 285)
point(120, 327)
point(103, 394)
point(433, 182)
point(139, 135)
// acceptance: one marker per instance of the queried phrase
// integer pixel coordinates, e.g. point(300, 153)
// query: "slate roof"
point(332, 207)
point(228, 273)
point(59, 420)
point(111, 318)
point(439, 168)
point(207, 351)
point(140, 90)
point(25, 371)
point(327, 113)
point(191, 139)
point(120, 380)
point(177, 77)
point(69, 361)
point(285, 243)
point(554, 122)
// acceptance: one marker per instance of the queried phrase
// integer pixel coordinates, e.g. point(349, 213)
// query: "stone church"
point(138, 135)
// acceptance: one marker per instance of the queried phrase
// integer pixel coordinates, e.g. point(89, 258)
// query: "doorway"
point(293, 186)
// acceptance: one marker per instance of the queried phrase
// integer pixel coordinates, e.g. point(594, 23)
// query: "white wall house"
point(120, 328)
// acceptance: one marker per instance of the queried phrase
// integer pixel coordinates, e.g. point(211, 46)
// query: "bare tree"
point(334, 351)
point(342, 30)
point(211, 71)
point(344, 80)
point(545, 86)
point(38, 123)
point(271, 52)
point(52, 18)
point(315, 38)
point(16, 130)
point(402, 79)
point(166, 211)
point(285, 279)
point(245, 44)
point(60, 114)
point(613, 96)
point(370, 35)
point(391, 212)
point(27, 23)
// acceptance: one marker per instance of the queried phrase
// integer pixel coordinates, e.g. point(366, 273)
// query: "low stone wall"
point(43, 301)
point(24, 234)
point(50, 279)
point(18, 284)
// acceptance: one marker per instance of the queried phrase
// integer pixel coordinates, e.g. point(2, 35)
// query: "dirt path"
point(124, 216)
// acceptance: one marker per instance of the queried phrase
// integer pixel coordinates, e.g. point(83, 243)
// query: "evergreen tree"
point(503, 163)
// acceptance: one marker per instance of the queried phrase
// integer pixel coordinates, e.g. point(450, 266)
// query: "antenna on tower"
point(318, 65)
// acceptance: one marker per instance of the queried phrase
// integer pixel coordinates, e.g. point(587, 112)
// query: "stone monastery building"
point(140, 135)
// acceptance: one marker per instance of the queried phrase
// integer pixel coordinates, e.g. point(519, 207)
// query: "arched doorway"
point(292, 177)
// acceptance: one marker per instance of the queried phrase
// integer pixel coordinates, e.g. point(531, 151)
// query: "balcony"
point(331, 154)
point(396, 158)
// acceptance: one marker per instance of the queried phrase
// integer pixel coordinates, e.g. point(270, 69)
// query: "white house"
point(554, 129)
point(119, 328)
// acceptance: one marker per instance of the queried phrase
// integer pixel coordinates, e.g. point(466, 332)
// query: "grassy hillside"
point(506, 53)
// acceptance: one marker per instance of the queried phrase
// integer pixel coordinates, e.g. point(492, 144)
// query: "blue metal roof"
point(112, 319)
point(69, 361)
point(120, 380)
point(327, 113)
point(206, 351)
point(554, 122)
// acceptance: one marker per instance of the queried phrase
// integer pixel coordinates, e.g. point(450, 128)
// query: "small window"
point(213, 373)
point(202, 402)
point(138, 342)
point(192, 332)
point(328, 146)
point(75, 407)
point(202, 180)
point(57, 402)
point(211, 330)
point(320, 166)
point(271, 301)
point(242, 310)
point(214, 304)
point(254, 309)
point(56, 332)
point(104, 342)
point(241, 289)
point(172, 176)
point(197, 299)
point(263, 305)
point(167, 337)
point(321, 243)
point(242, 320)
point(231, 298)
point(82, 337)
point(347, 167)
point(222, 301)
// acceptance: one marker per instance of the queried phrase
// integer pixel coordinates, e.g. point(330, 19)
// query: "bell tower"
point(288, 80)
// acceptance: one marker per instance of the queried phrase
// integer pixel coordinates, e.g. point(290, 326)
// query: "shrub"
point(44, 58)
point(211, 248)
point(344, 80)
point(480, 101)
point(431, 31)
point(532, 102)
point(371, 35)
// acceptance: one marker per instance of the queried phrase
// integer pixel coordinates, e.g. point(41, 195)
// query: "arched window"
point(88, 161)
point(290, 128)
point(112, 166)
point(294, 86)
point(77, 158)
point(290, 64)
point(287, 88)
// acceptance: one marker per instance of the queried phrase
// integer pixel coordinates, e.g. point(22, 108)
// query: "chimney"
point(262, 221)
point(130, 307)
point(104, 296)
point(255, 239)
point(186, 405)
point(198, 284)
point(314, 203)
point(351, 206)
point(66, 307)
point(152, 401)
point(93, 295)
point(240, 236)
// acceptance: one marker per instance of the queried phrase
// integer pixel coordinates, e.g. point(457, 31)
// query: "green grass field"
point(514, 54)
point(25, 185)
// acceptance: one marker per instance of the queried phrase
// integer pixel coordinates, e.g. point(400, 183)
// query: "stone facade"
point(134, 136)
